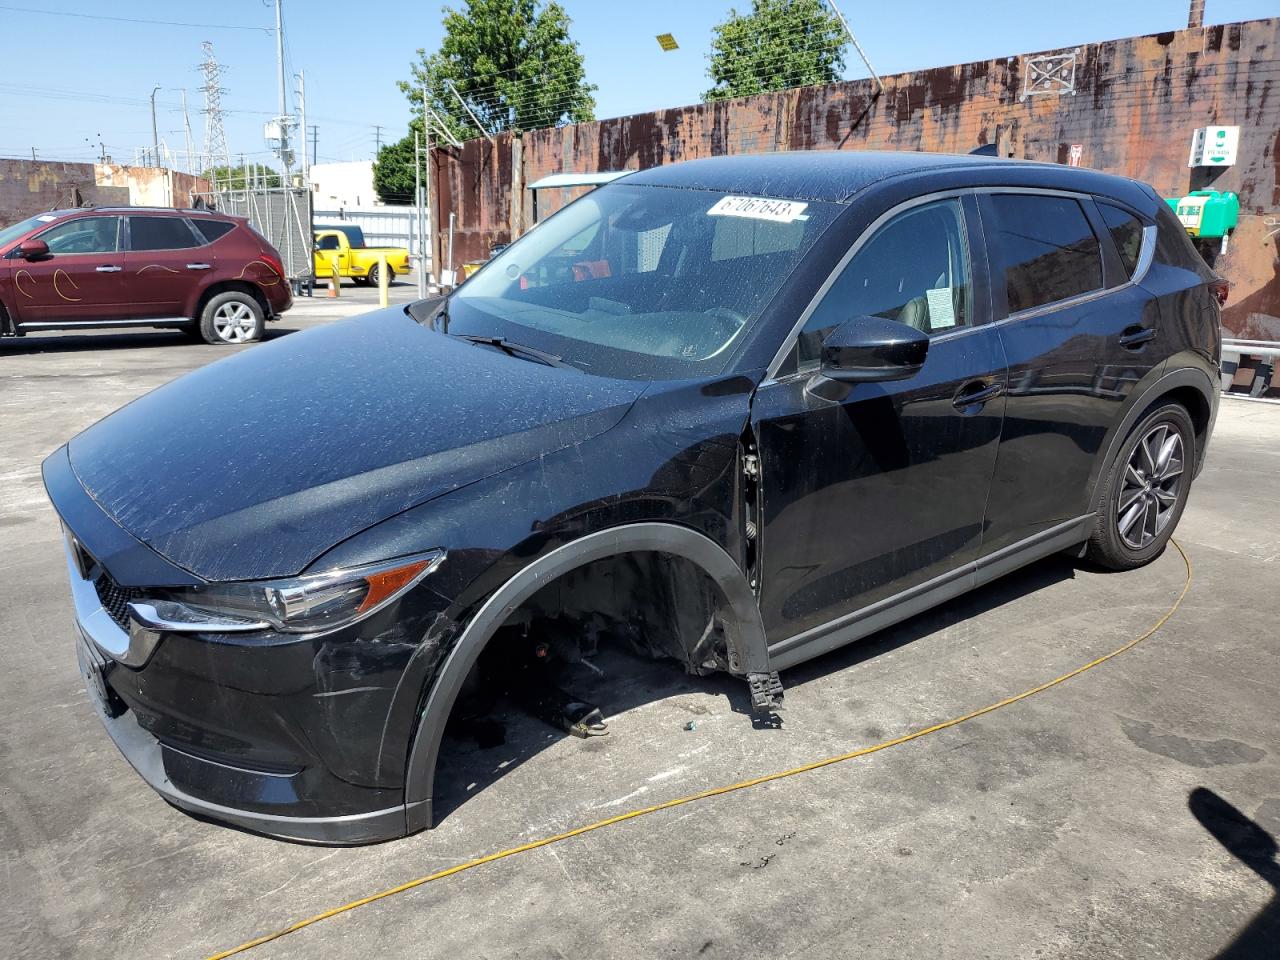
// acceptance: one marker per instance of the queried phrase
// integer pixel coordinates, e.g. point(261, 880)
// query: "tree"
point(779, 44)
point(393, 178)
point(243, 176)
point(512, 61)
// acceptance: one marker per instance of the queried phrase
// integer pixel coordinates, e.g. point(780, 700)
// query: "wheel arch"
point(228, 286)
point(1188, 386)
point(744, 629)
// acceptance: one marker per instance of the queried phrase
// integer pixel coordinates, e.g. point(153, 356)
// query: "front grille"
point(115, 599)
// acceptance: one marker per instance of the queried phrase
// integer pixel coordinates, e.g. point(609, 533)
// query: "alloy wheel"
point(1150, 488)
point(234, 323)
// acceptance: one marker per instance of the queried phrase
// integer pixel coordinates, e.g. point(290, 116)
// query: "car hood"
point(255, 465)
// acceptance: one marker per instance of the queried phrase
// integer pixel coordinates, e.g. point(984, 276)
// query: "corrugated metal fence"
point(384, 227)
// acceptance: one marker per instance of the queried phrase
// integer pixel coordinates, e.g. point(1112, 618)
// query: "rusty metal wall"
point(28, 187)
point(1131, 104)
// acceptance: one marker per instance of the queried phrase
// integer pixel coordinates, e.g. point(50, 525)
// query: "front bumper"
point(166, 769)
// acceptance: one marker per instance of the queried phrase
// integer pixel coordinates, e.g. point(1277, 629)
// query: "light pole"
point(155, 134)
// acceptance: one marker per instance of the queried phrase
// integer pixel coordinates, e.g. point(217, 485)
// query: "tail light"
point(272, 260)
point(1220, 288)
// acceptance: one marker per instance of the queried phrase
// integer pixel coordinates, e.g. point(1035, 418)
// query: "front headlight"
point(308, 604)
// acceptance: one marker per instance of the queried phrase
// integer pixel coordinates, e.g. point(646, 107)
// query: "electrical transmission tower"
point(215, 137)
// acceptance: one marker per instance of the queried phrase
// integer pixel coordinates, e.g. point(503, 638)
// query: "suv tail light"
point(1220, 288)
point(272, 259)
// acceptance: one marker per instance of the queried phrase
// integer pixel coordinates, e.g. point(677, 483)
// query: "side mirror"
point(33, 249)
point(866, 349)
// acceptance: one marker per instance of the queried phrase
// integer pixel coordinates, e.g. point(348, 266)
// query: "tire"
point(373, 276)
point(230, 318)
point(1138, 507)
point(360, 281)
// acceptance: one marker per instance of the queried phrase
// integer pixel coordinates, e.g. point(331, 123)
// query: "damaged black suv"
point(734, 412)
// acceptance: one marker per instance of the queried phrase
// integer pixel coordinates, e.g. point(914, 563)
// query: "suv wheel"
point(232, 317)
point(1145, 490)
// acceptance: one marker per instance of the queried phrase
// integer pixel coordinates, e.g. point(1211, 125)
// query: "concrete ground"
point(1127, 813)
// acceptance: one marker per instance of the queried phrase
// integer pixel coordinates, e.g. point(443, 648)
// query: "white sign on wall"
point(1214, 147)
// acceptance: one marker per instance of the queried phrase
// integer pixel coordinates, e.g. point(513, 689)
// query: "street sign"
point(667, 42)
point(1214, 147)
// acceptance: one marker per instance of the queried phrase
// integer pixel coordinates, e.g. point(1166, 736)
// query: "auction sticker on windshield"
point(758, 208)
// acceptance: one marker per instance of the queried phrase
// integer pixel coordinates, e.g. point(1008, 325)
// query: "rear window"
point(213, 229)
point(1126, 233)
point(1044, 249)
point(1175, 248)
point(161, 233)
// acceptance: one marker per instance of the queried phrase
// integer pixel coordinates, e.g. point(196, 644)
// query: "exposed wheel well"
point(225, 286)
point(697, 580)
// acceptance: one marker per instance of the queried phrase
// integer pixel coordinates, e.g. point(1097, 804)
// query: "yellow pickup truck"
point(355, 259)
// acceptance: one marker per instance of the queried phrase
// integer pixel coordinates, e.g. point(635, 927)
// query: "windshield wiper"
point(514, 349)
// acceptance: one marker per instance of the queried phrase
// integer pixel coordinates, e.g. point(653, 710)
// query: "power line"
point(157, 23)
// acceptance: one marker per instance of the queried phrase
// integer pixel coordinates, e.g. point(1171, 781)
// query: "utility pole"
point(417, 204)
point(155, 135)
point(315, 143)
point(426, 138)
point(377, 140)
point(302, 111)
point(857, 46)
point(186, 127)
point(284, 116)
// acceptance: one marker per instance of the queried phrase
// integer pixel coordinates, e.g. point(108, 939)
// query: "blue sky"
point(69, 79)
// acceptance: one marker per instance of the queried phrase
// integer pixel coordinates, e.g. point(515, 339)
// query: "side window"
point(83, 235)
point(327, 242)
point(1044, 249)
point(1126, 232)
point(914, 269)
point(213, 229)
point(161, 233)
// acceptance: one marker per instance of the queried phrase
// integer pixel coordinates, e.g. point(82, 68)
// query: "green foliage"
point(242, 177)
point(512, 61)
point(393, 178)
point(779, 44)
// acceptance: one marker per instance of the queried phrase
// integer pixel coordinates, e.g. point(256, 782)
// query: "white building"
point(343, 186)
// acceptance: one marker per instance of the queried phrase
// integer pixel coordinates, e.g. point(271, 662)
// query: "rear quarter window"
point(1044, 249)
point(1126, 234)
point(211, 230)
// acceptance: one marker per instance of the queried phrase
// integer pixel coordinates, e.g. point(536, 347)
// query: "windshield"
point(641, 282)
point(13, 232)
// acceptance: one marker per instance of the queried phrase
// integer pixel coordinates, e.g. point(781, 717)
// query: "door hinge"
point(751, 465)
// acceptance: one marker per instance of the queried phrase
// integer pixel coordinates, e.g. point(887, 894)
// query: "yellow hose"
point(715, 791)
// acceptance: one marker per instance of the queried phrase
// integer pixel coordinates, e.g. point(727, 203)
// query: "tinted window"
point(329, 242)
point(1174, 247)
point(915, 270)
point(1126, 232)
point(82, 235)
point(213, 229)
point(1044, 249)
point(161, 233)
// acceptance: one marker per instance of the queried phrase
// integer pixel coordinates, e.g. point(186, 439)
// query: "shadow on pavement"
point(1256, 849)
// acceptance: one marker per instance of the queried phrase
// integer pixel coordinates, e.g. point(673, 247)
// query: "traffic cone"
point(333, 286)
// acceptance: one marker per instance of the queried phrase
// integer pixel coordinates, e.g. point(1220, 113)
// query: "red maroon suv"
point(209, 274)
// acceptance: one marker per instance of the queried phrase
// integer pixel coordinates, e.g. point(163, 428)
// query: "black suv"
point(734, 412)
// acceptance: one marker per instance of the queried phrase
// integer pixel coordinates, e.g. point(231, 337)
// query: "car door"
point(80, 279)
point(871, 490)
point(163, 265)
point(1077, 335)
point(328, 246)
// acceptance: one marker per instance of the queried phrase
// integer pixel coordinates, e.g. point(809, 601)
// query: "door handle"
point(109, 269)
point(976, 393)
point(1135, 336)
point(198, 266)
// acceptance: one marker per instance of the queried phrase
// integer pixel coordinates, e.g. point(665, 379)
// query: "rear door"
point(1078, 335)
point(163, 265)
point(80, 280)
point(868, 490)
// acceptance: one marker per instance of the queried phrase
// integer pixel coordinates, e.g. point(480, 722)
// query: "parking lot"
point(1108, 816)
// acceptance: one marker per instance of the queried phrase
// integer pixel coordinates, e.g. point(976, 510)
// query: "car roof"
point(173, 211)
point(837, 176)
